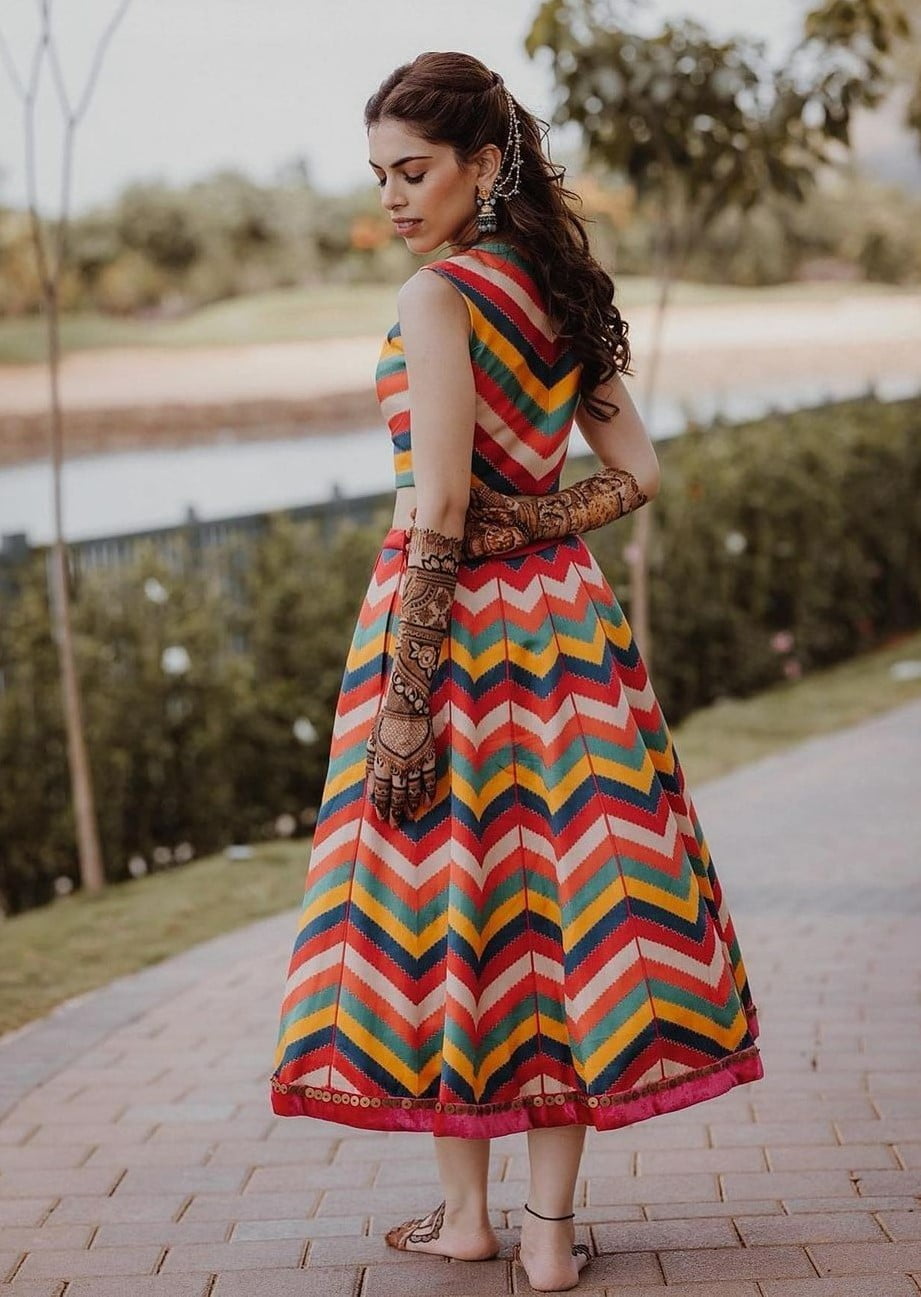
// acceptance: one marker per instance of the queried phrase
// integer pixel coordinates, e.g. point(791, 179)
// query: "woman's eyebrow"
point(412, 157)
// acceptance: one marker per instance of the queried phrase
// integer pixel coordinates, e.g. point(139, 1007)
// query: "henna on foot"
point(432, 1234)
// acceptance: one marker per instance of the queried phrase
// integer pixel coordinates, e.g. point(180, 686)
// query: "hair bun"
point(496, 81)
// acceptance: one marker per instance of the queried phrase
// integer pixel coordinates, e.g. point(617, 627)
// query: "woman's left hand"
point(495, 523)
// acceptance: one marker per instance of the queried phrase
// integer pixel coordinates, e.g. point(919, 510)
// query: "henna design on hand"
point(497, 523)
point(400, 754)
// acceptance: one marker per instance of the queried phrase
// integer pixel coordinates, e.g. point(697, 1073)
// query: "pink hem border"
point(607, 1112)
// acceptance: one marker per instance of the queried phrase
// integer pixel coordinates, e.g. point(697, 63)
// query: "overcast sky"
point(192, 85)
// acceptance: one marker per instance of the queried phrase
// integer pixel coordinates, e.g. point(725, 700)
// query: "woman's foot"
point(548, 1254)
point(443, 1234)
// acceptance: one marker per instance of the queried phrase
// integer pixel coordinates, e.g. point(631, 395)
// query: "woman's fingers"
point(380, 795)
point(413, 791)
point(429, 781)
point(398, 795)
point(397, 798)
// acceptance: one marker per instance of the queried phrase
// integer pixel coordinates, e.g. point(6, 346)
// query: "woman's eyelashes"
point(412, 180)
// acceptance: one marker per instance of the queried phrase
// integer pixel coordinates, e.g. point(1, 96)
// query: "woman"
point(511, 921)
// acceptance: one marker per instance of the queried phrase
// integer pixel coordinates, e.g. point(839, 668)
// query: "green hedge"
point(778, 546)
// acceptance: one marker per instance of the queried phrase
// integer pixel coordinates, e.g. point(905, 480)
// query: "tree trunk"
point(92, 873)
point(641, 538)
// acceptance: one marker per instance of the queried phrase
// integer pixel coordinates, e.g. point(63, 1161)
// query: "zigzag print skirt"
point(548, 944)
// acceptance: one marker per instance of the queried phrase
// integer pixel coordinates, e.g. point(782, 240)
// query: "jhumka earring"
point(507, 183)
point(486, 221)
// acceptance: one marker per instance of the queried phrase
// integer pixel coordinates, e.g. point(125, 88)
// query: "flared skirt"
point(548, 943)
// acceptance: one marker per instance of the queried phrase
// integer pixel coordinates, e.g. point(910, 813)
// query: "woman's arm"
point(434, 325)
point(497, 523)
point(435, 328)
point(622, 442)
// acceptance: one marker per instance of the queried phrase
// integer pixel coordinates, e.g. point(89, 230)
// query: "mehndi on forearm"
point(400, 753)
point(497, 523)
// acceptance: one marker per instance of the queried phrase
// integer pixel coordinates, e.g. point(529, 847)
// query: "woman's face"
point(428, 194)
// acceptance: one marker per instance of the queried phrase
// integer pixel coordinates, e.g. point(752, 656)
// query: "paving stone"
point(96, 1133)
point(878, 1202)
point(653, 1188)
point(294, 1179)
point(866, 1258)
point(13, 1132)
point(254, 1206)
point(78, 1180)
point(151, 1154)
point(316, 1227)
point(656, 1235)
point(170, 1132)
point(818, 1157)
point(763, 1133)
point(809, 1227)
point(33, 1288)
point(338, 1282)
point(91, 1262)
point(882, 1182)
point(166, 1233)
point(755, 1263)
point(24, 1211)
point(23, 1238)
point(217, 1257)
point(883, 1286)
point(781, 1184)
point(262, 1152)
point(9, 1262)
point(180, 1179)
point(34, 1157)
point(154, 1286)
point(734, 1288)
point(903, 1226)
point(118, 1210)
point(693, 1161)
point(692, 1210)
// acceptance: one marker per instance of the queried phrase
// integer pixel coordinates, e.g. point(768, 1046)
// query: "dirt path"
point(130, 397)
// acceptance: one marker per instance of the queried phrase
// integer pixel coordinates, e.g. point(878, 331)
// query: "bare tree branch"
point(56, 69)
point(99, 56)
point(7, 59)
point(31, 95)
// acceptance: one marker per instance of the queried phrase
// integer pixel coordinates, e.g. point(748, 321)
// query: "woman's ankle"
point(467, 1213)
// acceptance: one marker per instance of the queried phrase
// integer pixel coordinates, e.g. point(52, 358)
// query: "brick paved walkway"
point(138, 1157)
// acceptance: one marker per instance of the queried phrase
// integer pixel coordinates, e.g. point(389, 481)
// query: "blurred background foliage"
point(210, 681)
point(165, 252)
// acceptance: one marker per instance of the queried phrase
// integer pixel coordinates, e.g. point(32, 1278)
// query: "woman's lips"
point(404, 227)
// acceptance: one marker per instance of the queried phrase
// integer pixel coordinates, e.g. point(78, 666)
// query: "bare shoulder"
point(429, 299)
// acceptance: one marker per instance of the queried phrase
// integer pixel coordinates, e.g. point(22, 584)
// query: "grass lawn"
point(75, 944)
point(339, 311)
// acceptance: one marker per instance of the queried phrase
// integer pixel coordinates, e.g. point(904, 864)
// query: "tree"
point(700, 125)
point(51, 261)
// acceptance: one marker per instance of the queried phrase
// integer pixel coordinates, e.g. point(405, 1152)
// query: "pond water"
point(127, 491)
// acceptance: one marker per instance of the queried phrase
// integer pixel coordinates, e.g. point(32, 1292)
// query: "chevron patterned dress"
point(548, 943)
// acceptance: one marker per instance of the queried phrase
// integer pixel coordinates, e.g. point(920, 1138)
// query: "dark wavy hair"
point(454, 99)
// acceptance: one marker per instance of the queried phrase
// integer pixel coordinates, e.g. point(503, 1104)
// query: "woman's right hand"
point(495, 523)
point(400, 765)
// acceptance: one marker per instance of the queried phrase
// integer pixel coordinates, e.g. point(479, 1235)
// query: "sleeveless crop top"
point(527, 380)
